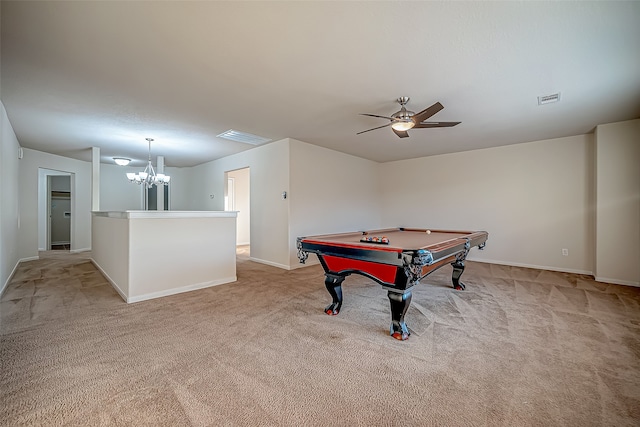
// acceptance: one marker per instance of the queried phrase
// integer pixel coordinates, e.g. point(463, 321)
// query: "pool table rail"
point(347, 245)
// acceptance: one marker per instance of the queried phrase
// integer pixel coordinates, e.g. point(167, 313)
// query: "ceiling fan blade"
point(436, 125)
point(379, 127)
point(401, 133)
point(426, 113)
point(381, 117)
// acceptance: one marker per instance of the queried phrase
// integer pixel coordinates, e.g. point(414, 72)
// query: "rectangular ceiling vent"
point(243, 137)
point(548, 99)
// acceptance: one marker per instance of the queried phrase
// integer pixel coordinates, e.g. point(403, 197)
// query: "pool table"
point(396, 258)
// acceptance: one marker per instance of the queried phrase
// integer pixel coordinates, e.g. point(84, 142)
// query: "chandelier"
point(149, 178)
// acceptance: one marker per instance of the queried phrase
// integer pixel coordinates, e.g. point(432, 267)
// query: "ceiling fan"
point(404, 119)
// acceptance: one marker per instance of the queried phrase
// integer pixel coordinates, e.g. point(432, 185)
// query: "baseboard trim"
point(77, 251)
point(181, 290)
point(114, 285)
point(617, 281)
point(6, 283)
point(71, 251)
point(153, 295)
point(13, 272)
point(285, 267)
point(272, 264)
point(537, 267)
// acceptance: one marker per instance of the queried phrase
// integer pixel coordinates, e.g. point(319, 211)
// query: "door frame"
point(44, 206)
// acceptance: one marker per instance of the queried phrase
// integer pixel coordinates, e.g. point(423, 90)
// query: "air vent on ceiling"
point(243, 137)
point(548, 99)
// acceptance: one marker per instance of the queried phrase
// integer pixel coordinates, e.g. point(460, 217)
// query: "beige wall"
point(327, 191)
point(331, 192)
point(617, 256)
point(534, 199)
point(269, 177)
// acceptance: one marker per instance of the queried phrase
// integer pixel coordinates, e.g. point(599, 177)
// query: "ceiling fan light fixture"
point(403, 120)
point(403, 126)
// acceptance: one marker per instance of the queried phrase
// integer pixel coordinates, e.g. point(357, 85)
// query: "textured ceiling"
point(77, 75)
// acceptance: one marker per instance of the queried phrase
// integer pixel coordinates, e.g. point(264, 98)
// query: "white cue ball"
point(428, 231)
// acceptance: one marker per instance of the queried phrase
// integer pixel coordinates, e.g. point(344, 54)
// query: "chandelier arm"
point(150, 177)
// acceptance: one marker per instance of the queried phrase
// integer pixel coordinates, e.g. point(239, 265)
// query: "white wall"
point(29, 187)
point(118, 194)
point(269, 177)
point(9, 206)
point(110, 233)
point(242, 198)
point(179, 188)
point(534, 199)
point(201, 252)
point(331, 192)
point(617, 257)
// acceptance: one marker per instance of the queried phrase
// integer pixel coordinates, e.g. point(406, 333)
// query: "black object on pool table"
point(415, 254)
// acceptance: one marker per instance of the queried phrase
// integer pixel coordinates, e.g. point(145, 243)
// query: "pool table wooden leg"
point(399, 306)
point(333, 283)
point(458, 269)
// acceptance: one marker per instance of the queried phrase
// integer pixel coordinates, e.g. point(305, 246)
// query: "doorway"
point(59, 208)
point(237, 197)
point(55, 209)
point(150, 198)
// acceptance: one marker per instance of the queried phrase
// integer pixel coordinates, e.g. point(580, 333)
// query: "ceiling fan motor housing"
point(403, 114)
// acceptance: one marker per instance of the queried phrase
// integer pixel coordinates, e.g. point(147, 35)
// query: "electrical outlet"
point(565, 252)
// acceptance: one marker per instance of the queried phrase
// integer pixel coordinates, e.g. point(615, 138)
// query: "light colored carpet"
point(519, 347)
